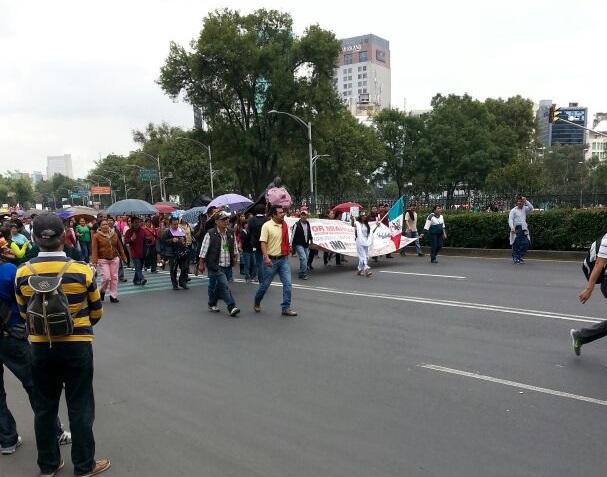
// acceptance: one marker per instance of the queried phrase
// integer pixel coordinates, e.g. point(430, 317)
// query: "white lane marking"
point(455, 304)
point(425, 274)
point(514, 384)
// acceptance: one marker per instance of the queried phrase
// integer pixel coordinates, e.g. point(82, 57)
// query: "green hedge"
point(559, 229)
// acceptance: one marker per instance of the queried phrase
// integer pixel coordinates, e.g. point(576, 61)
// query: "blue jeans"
point(250, 265)
point(280, 266)
point(302, 253)
point(69, 364)
point(15, 355)
point(260, 265)
point(520, 245)
point(414, 234)
point(85, 250)
point(220, 289)
point(138, 264)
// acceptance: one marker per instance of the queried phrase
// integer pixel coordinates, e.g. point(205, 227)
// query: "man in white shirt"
point(519, 232)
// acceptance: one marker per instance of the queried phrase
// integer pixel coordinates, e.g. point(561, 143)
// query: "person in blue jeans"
point(519, 231)
point(218, 254)
point(302, 238)
point(275, 247)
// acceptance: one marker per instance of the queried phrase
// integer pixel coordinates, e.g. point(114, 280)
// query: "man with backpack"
point(60, 325)
point(15, 355)
point(596, 262)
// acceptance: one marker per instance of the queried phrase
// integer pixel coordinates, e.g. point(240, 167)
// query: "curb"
point(567, 255)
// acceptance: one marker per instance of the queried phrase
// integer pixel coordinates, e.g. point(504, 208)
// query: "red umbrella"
point(164, 208)
point(345, 207)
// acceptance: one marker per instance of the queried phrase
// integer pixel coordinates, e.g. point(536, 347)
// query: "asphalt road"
point(455, 369)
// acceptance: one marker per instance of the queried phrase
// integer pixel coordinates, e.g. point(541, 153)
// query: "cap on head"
point(223, 215)
point(47, 226)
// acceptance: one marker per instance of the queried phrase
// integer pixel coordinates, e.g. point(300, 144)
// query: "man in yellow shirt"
point(274, 243)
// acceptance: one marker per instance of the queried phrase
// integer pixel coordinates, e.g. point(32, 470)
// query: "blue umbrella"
point(192, 214)
point(131, 207)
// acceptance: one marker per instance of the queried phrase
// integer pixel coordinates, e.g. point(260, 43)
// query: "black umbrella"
point(131, 207)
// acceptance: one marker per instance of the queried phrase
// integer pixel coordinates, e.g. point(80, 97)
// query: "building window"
point(364, 75)
point(380, 56)
point(345, 70)
point(348, 59)
point(349, 78)
point(360, 83)
point(360, 68)
point(360, 91)
point(363, 56)
point(345, 86)
point(349, 70)
point(364, 68)
point(364, 90)
point(360, 76)
point(364, 83)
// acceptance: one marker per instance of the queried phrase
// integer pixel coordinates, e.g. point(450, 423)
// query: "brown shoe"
point(100, 466)
point(54, 472)
point(289, 313)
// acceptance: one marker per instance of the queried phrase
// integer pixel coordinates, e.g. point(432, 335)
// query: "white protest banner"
point(338, 237)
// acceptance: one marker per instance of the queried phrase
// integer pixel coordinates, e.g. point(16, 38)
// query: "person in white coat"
point(364, 239)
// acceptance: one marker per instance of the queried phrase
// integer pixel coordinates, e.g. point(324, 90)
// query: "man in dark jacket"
point(173, 239)
point(254, 225)
point(302, 238)
point(218, 255)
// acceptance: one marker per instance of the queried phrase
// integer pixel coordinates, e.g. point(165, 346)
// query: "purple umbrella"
point(234, 202)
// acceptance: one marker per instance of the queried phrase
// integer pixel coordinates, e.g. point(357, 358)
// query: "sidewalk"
point(573, 256)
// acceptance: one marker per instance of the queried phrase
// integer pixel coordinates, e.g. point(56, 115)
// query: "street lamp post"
point(151, 188)
point(119, 175)
point(208, 148)
point(314, 159)
point(157, 159)
point(308, 126)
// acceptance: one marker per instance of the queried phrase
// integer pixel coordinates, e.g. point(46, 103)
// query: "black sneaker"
point(234, 311)
point(102, 294)
point(575, 341)
point(144, 281)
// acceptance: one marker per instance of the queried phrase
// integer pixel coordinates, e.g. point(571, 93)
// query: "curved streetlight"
point(157, 160)
point(307, 126)
point(142, 169)
point(208, 148)
point(119, 174)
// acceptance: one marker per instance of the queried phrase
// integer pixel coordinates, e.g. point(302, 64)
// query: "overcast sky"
point(76, 77)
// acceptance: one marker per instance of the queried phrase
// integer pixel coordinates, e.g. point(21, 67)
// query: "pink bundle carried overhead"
point(277, 194)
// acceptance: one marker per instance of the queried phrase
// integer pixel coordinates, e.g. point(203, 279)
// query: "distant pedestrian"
point(274, 244)
point(301, 240)
point(519, 231)
point(135, 238)
point(411, 228)
point(83, 232)
point(217, 254)
point(175, 249)
point(599, 330)
point(107, 253)
point(364, 239)
point(435, 229)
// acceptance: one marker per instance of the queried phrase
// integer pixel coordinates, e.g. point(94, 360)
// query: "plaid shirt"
point(224, 252)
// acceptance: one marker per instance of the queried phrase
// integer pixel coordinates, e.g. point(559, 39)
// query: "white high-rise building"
point(363, 75)
point(59, 165)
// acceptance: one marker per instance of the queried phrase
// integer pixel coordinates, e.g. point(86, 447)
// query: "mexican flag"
point(395, 218)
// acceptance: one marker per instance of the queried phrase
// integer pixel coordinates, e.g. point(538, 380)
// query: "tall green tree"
point(400, 137)
point(241, 67)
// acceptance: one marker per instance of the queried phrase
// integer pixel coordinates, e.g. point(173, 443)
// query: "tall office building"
point(568, 132)
point(363, 76)
point(59, 165)
point(544, 128)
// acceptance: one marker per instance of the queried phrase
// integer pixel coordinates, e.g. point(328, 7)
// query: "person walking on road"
point(135, 238)
point(69, 361)
point(175, 249)
point(364, 238)
point(219, 256)
point(107, 253)
point(275, 247)
point(302, 238)
point(599, 330)
point(411, 229)
point(519, 232)
point(435, 228)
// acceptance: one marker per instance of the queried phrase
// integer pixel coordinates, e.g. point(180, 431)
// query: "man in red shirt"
point(134, 238)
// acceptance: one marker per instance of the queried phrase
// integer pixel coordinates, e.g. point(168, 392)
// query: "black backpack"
point(589, 263)
point(48, 310)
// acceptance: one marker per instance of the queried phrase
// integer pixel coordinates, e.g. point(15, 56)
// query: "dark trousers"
point(313, 253)
point(85, 250)
point(182, 265)
point(150, 258)
point(326, 257)
point(520, 245)
point(594, 332)
point(260, 265)
point(15, 355)
point(436, 243)
point(68, 364)
point(138, 265)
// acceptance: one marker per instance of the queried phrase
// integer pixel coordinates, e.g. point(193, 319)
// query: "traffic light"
point(553, 114)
